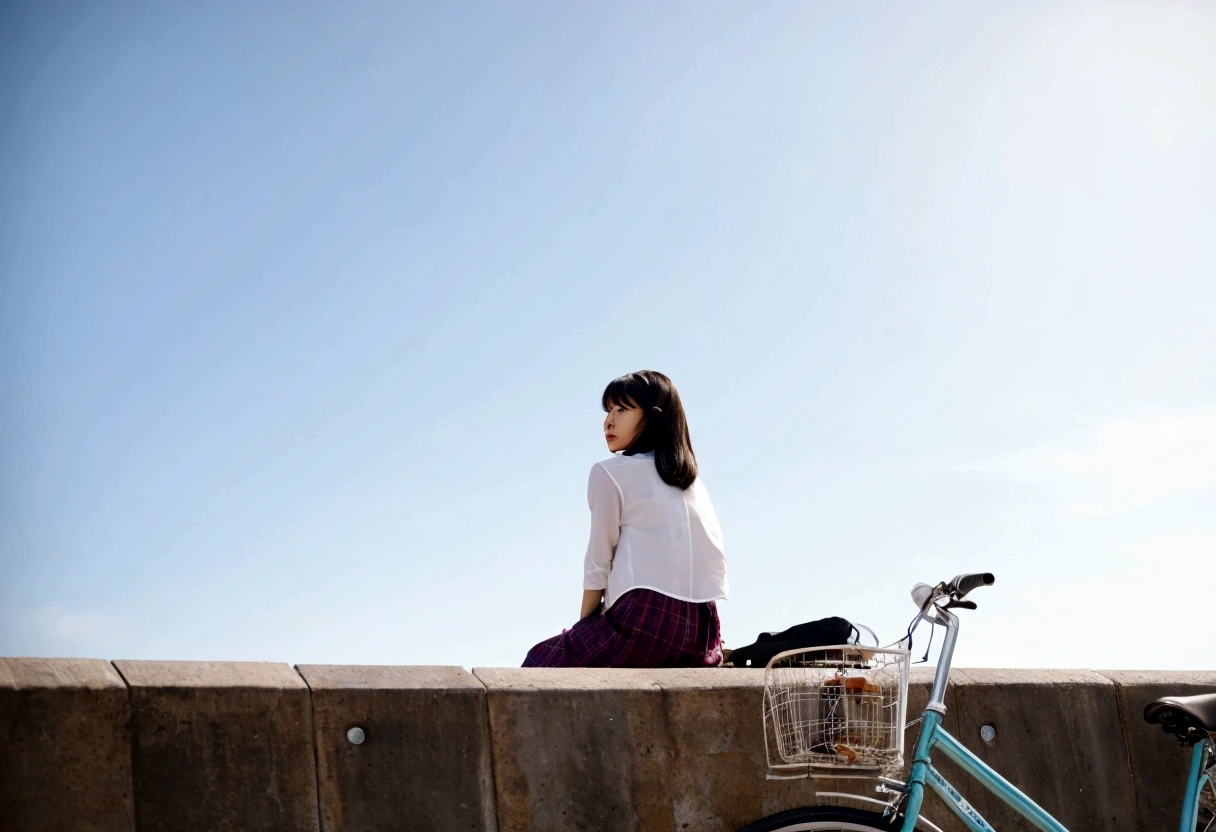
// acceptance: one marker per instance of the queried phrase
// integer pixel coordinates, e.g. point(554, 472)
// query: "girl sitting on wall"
point(655, 563)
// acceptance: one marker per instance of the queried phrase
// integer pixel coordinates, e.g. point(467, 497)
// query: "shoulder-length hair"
point(664, 426)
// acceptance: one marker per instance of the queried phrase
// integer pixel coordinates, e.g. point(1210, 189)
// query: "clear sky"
point(306, 309)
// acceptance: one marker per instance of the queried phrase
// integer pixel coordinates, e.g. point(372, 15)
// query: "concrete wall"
point(65, 746)
point(1159, 777)
point(221, 746)
point(1059, 738)
point(424, 762)
point(230, 745)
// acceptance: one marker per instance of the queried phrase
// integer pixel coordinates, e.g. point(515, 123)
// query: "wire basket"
point(836, 711)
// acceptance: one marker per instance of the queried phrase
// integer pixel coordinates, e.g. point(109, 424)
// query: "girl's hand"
point(592, 598)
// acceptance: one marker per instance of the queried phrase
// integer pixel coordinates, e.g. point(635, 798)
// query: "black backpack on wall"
point(821, 633)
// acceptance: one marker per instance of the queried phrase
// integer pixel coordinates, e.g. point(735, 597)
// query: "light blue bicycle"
point(1192, 719)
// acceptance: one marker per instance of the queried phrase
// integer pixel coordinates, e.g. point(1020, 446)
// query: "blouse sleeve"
point(604, 499)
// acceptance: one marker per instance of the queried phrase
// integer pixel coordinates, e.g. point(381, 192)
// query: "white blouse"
point(646, 534)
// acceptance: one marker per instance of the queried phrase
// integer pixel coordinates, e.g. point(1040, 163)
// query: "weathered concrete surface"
point(715, 778)
point(579, 749)
point(651, 750)
point(683, 749)
point(65, 747)
point(425, 761)
point(221, 746)
point(1058, 738)
point(226, 746)
point(1159, 763)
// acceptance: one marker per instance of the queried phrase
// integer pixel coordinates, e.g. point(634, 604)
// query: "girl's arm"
point(591, 602)
point(604, 500)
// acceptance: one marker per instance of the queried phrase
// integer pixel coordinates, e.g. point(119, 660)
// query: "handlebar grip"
point(965, 583)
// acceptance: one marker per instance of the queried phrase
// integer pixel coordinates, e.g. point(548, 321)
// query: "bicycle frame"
point(934, 737)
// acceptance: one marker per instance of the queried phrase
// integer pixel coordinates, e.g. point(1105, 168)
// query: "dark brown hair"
point(664, 426)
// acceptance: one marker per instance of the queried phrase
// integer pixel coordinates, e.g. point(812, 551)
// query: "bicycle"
point(817, 724)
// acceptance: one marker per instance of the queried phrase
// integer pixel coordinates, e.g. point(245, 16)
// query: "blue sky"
point(306, 310)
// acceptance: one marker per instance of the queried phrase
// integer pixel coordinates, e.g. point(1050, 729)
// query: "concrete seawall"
point(92, 745)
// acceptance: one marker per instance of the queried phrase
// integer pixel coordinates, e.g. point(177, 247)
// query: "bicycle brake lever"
point(962, 605)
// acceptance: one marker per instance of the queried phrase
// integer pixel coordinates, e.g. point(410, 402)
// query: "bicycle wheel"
point(823, 819)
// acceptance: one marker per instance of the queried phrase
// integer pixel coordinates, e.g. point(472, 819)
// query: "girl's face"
point(621, 425)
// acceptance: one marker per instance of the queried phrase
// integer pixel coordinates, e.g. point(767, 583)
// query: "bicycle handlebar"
point(962, 584)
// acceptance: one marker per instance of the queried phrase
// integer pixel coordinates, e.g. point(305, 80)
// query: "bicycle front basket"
point(835, 711)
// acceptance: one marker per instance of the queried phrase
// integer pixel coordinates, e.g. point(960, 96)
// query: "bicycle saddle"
point(1189, 718)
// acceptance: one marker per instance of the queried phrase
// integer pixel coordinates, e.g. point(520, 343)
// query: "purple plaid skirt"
point(643, 628)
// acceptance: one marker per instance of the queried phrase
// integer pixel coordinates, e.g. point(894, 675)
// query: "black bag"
point(819, 633)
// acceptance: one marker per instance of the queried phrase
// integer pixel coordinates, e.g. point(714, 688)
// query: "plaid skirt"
point(643, 628)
